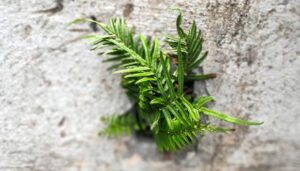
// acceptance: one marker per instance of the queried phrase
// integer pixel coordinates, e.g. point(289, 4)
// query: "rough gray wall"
point(53, 89)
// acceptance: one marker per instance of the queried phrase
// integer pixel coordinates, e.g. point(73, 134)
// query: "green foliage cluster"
point(156, 81)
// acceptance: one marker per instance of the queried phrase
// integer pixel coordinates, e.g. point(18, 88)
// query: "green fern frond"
point(156, 84)
point(118, 125)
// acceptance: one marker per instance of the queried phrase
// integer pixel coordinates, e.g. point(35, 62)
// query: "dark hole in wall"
point(94, 26)
point(58, 7)
point(62, 121)
point(128, 8)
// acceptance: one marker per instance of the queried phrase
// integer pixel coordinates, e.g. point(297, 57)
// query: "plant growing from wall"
point(157, 80)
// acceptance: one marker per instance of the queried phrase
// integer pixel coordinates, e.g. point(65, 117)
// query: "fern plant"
point(156, 81)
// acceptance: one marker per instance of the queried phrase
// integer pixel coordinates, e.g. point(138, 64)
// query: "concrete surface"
point(53, 89)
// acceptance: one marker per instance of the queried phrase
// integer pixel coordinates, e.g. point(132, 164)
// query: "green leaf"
point(167, 76)
point(180, 70)
point(212, 128)
point(191, 109)
point(155, 121)
point(144, 80)
point(176, 114)
point(182, 112)
point(142, 74)
point(161, 89)
point(91, 37)
point(168, 118)
point(129, 64)
point(227, 118)
point(117, 125)
point(192, 36)
point(202, 100)
point(131, 52)
point(198, 61)
point(178, 26)
point(201, 77)
point(101, 39)
point(146, 49)
point(155, 53)
point(82, 20)
point(157, 100)
point(195, 47)
point(134, 69)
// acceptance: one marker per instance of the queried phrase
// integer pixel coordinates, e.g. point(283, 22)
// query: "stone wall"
point(53, 89)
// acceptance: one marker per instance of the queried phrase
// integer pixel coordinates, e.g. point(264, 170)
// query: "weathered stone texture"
point(53, 89)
